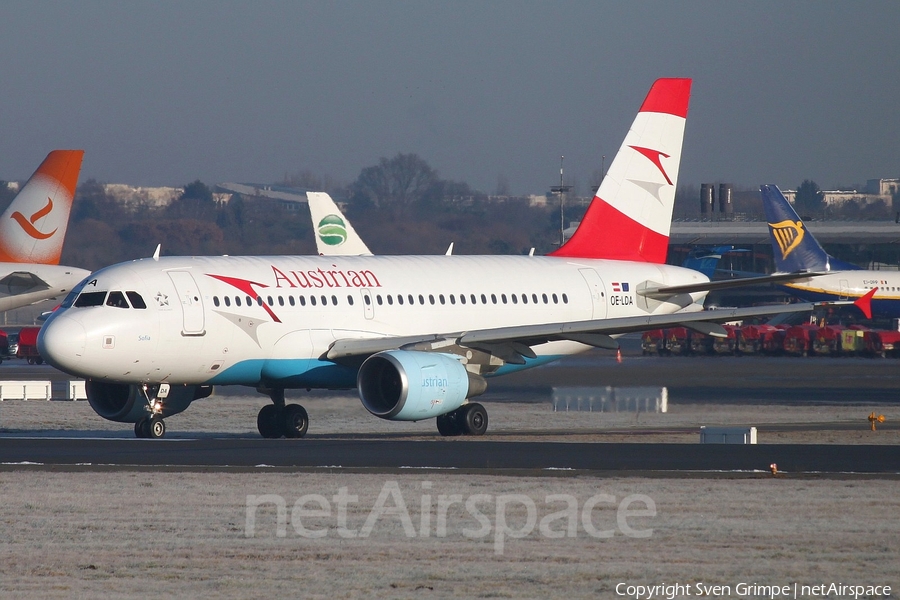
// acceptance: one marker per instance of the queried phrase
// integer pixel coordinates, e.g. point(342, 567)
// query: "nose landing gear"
point(279, 420)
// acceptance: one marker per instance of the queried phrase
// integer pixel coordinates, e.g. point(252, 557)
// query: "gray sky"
point(162, 93)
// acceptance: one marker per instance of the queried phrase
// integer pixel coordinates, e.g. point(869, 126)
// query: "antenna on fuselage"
point(156, 252)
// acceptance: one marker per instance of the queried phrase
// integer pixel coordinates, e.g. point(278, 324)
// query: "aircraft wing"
point(20, 282)
point(512, 343)
point(708, 286)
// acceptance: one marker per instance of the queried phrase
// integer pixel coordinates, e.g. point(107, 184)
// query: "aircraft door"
point(845, 290)
point(367, 303)
point(191, 302)
point(598, 292)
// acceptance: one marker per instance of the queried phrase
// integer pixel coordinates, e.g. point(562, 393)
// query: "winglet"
point(156, 252)
point(864, 303)
point(449, 250)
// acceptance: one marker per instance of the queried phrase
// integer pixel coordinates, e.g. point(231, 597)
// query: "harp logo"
point(332, 230)
point(27, 224)
point(788, 235)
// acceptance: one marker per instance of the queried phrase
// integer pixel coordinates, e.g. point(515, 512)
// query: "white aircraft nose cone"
point(61, 342)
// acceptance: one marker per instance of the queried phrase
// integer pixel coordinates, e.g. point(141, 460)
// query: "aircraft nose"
point(61, 343)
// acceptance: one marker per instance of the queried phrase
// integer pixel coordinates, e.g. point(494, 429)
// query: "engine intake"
point(403, 385)
point(124, 403)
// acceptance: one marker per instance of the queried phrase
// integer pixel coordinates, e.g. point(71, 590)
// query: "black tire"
point(140, 427)
point(296, 421)
point(38, 360)
point(474, 419)
point(156, 427)
point(269, 423)
point(447, 425)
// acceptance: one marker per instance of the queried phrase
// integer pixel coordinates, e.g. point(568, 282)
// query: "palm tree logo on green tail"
point(332, 230)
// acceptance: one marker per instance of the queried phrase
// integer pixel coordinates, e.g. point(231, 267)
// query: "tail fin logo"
point(332, 230)
point(655, 157)
point(788, 235)
point(27, 224)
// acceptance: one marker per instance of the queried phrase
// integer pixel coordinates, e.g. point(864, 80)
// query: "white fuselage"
point(204, 324)
point(850, 285)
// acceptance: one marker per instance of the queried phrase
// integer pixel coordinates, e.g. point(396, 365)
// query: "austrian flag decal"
point(619, 287)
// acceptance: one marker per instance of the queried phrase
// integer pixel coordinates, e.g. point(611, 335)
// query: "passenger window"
point(216, 301)
point(534, 298)
point(259, 300)
point(515, 299)
point(378, 300)
point(412, 300)
point(291, 301)
point(349, 299)
point(312, 300)
point(565, 299)
point(367, 300)
point(137, 301)
point(90, 299)
point(324, 301)
point(474, 300)
point(431, 298)
point(390, 300)
point(280, 301)
point(227, 301)
point(493, 298)
point(483, 299)
point(422, 300)
point(452, 299)
point(237, 300)
point(302, 300)
point(524, 298)
point(117, 300)
point(544, 298)
point(441, 298)
point(462, 298)
point(334, 300)
point(270, 301)
point(400, 299)
point(555, 299)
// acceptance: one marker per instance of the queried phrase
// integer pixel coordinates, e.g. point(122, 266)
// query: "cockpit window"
point(136, 300)
point(90, 299)
point(117, 300)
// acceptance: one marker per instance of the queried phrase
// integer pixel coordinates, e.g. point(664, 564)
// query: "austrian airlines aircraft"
point(32, 231)
point(417, 335)
point(795, 249)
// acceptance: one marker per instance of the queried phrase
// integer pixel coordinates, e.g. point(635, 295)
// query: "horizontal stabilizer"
point(661, 292)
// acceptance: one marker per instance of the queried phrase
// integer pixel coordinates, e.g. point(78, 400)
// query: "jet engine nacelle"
point(124, 403)
point(403, 385)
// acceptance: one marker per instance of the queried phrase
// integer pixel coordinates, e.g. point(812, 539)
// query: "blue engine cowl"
point(124, 403)
point(402, 385)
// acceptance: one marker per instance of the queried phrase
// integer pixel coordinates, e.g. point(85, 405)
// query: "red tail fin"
point(631, 214)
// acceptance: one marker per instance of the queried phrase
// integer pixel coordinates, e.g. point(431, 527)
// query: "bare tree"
point(396, 184)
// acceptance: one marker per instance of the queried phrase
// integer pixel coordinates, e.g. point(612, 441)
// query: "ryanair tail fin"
point(793, 246)
point(631, 213)
point(33, 228)
point(335, 235)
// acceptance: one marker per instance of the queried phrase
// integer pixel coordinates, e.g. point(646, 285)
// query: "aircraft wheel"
point(142, 428)
point(296, 421)
point(156, 427)
point(447, 425)
point(268, 422)
point(38, 360)
point(474, 419)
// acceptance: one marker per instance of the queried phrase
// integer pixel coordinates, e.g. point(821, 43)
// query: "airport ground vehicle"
point(27, 345)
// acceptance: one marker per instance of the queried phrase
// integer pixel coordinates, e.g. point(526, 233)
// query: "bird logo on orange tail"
point(28, 224)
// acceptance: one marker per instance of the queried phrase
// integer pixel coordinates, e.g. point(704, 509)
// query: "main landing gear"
point(468, 419)
point(279, 420)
